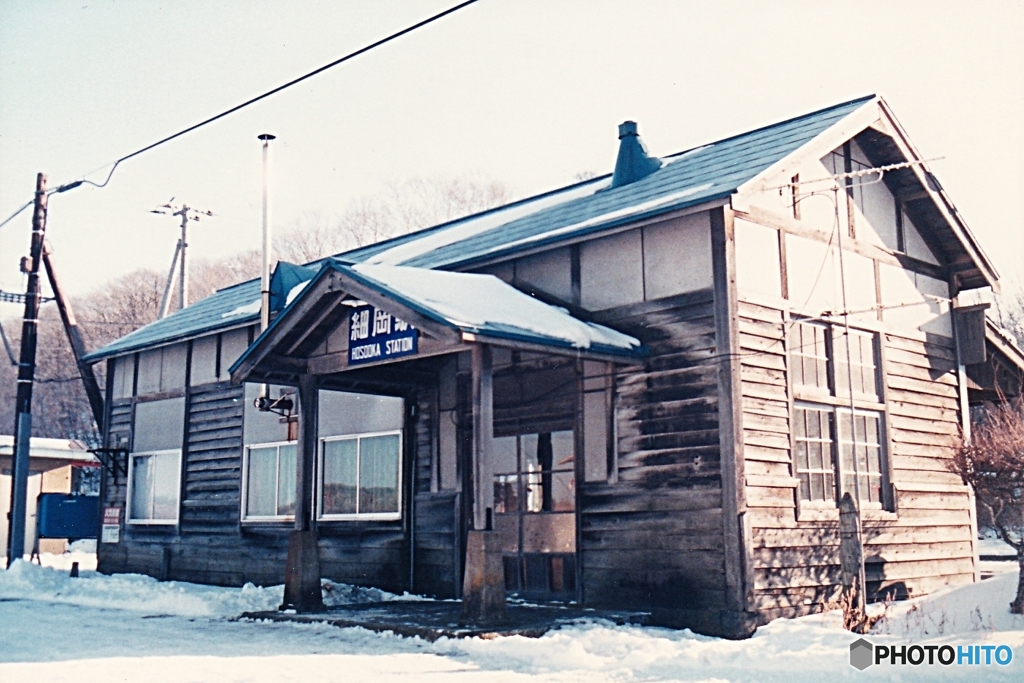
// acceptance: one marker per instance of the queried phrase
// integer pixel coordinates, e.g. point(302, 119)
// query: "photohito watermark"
point(864, 654)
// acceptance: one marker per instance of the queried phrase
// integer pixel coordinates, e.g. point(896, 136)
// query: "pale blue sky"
point(528, 93)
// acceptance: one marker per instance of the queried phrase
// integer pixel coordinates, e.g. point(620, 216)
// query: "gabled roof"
point(700, 176)
point(693, 177)
point(474, 307)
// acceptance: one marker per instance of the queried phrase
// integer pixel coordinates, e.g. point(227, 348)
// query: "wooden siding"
point(653, 539)
point(211, 500)
point(211, 545)
point(436, 529)
point(926, 544)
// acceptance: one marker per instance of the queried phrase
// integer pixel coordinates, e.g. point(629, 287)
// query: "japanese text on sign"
point(377, 335)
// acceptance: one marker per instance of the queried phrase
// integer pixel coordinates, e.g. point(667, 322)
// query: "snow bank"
point(977, 608)
point(139, 593)
point(133, 592)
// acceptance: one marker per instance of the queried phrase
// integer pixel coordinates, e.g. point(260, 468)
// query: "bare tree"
point(992, 462)
point(207, 276)
point(1009, 313)
point(59, 405)
point(402, 208)
point(311, 237)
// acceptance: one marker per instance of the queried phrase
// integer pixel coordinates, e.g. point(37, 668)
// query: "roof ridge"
point(816, 112)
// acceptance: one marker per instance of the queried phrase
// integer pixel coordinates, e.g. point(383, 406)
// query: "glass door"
point(535, 513)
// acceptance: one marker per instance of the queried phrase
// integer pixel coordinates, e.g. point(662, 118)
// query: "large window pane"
point(340, 477)
point(286, 480)
point(261, 483)
point(504, 452)
point(142, 487)
point(563, 446)
point(378, 473)
point(165, 489)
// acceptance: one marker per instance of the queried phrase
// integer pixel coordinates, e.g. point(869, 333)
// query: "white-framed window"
point(834, 451)
point(360, 477)
point(154, 487)
point(268, 477)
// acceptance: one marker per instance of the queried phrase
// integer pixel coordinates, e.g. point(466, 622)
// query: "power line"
point(398, 34)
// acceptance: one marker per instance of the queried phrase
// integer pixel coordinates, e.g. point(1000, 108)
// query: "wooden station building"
point(643, 391)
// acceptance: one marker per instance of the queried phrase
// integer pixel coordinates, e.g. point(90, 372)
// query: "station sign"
point(375, 335)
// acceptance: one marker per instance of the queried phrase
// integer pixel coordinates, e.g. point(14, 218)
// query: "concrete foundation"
point(483, 588)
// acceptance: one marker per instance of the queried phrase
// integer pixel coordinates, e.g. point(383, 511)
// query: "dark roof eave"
point(103, 353)
point(533, 245)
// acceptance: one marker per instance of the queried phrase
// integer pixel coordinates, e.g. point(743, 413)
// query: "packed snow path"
point(133, 628)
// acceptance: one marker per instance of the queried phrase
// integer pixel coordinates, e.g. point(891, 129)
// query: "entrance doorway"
point(535, 513)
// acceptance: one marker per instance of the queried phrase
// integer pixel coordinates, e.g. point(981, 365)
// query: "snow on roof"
point(480, 223)
point(40, 447)
point(486, 305)
point(697, 176)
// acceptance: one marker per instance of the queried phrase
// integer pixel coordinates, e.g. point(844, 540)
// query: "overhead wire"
point(387, 39)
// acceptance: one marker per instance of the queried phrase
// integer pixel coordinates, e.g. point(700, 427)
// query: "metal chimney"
point(633, 162)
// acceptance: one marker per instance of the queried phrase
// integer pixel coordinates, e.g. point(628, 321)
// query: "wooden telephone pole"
point(187, 214)
point(26, 377)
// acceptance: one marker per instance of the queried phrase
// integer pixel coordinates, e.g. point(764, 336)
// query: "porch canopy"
point(448, 310)
point(370, 325)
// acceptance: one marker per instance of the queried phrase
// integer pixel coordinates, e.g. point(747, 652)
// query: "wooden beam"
point(483, 435)
point(337, 361)
point(327, 307)
point(871, 251)
point(302, 572)
point(570, 352)
point(309, 404)
point(738, 571)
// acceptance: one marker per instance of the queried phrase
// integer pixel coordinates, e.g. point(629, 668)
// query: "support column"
point(302, 574)
point(483, 590)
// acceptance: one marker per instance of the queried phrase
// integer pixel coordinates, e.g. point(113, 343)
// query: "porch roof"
point(451, 306)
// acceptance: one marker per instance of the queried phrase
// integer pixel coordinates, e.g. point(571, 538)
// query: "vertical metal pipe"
point(26, 375)
point(267, 243)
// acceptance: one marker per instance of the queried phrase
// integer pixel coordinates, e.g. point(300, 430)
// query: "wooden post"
point(302, 573)
point(738, 577)
point(26, 377)
point(67, 316)
point(483, 435)
point(483, 589)
point(851, 550)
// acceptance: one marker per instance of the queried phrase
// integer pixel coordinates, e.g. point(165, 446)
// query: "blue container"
point(61, 515)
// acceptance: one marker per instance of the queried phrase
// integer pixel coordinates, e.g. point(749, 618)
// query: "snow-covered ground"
point(133, 628)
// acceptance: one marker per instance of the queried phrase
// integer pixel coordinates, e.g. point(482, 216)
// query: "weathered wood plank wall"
point(924, 544)
point(211, 545)
point(653, 539)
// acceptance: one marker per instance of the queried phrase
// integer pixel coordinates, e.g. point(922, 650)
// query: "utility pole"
point(67, 316)
point(187, 214)
point(26, 376)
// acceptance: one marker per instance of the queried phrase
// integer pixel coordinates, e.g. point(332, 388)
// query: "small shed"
point(55, 466)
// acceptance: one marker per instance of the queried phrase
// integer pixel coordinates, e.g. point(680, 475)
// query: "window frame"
point(245, 518)
point(130, 492)
point(837, 405)
point(321, 516)
point(836, 413)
